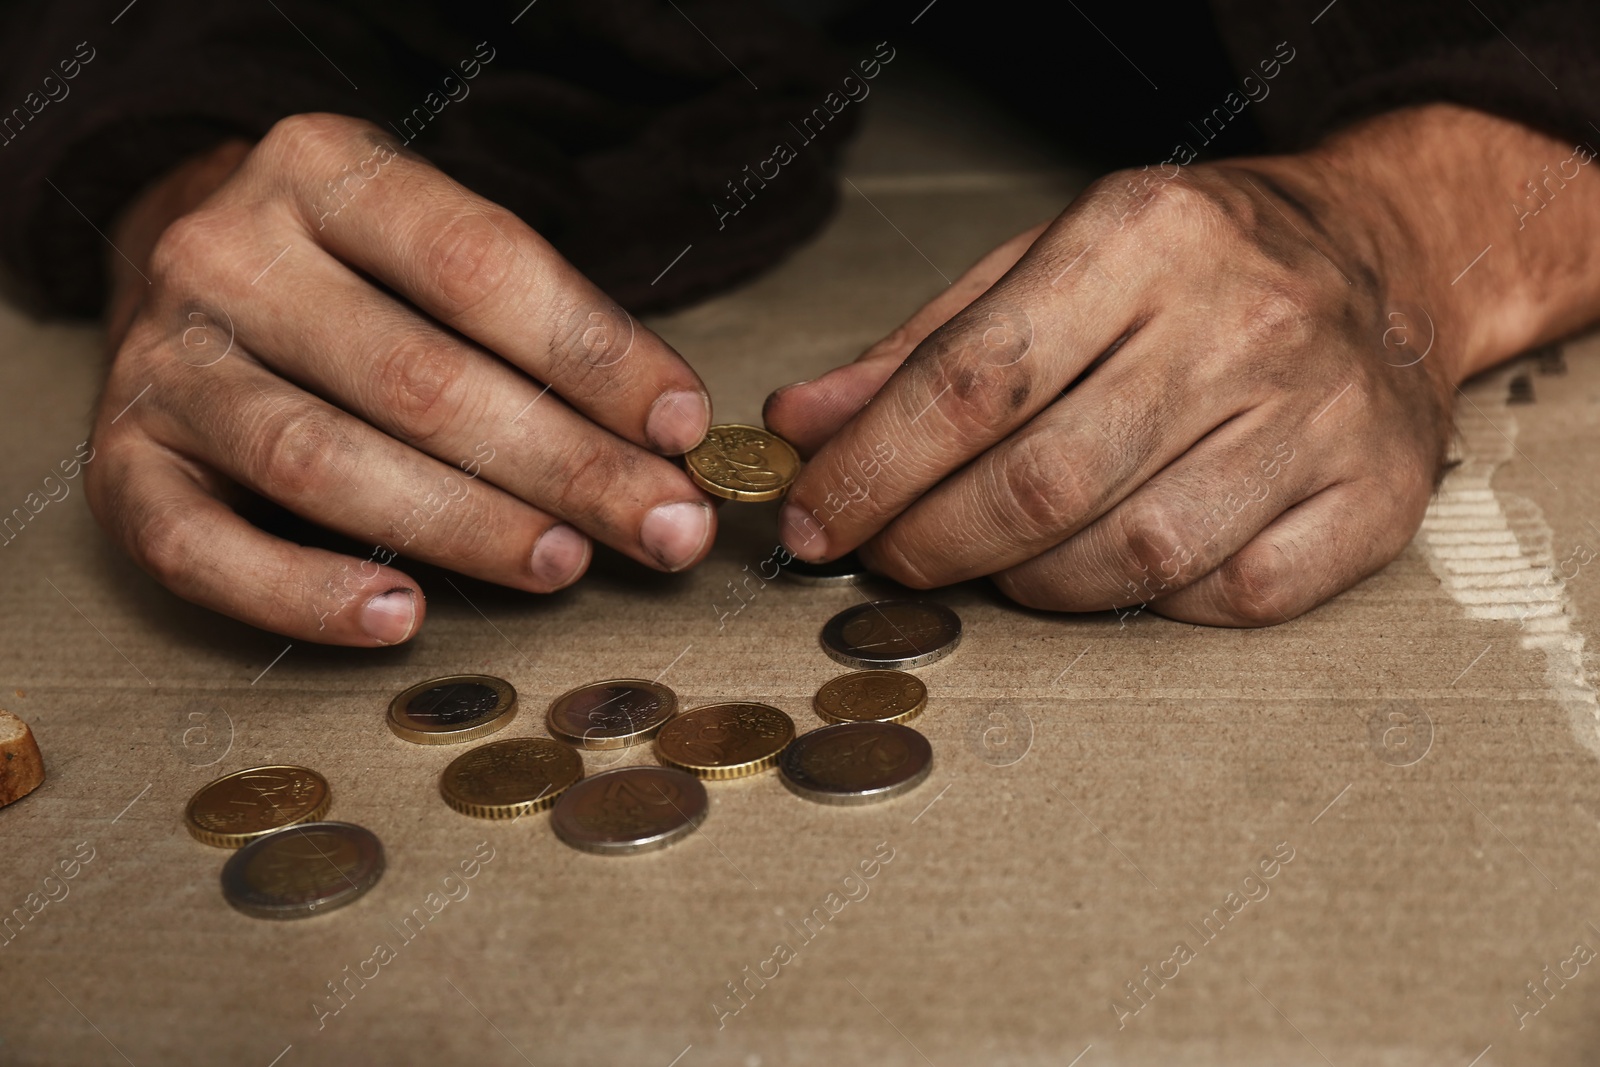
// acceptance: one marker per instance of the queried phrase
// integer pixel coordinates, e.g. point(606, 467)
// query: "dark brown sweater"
point(628, 130)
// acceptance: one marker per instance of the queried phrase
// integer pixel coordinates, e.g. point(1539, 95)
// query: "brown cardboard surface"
point(1101, 788)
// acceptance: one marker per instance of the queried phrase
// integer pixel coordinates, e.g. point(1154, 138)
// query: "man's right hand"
point(342, 329)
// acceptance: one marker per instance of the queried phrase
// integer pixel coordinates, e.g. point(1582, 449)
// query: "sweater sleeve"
point(1533, 61)
point(614, 127)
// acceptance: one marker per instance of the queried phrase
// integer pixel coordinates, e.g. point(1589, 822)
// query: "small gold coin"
point(725, 740)
point(240, 807)
point(510, 778)
point(740, 462)
point(447, 711)
point(872, 696)
point(612, 714)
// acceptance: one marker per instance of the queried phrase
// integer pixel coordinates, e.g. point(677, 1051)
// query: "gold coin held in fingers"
point(240, 807)
point(611, 714)
point(447, 711)
point(510, 778)
point(725, 740)
point(740, 462)
point(872, 696)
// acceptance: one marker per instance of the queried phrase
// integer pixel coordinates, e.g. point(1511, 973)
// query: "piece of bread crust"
point(21, 765)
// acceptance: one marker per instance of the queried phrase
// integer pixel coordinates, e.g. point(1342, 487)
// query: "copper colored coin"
point(738, 462)
point(240, 807)
point(725, 740)
point(612, 714)
point(872, 696)
point(630, 809)
point(511, 778)
point(856, 762)
point(894, 634)
point(304, 870)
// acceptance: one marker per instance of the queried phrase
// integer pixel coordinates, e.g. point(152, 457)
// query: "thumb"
point(807, 414)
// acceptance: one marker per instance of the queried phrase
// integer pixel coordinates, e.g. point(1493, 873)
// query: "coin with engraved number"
point(240, 807)
point(446, 711)
point(613, 714)
point(303, 870)
point(740, 462)
point(872, 696)
point(630, 809)
point(856, 762)
point(725, 740)
point(508, 779)
point(846, 570)
point(895, 634)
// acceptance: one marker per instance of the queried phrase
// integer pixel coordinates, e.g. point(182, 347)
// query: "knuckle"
point(289, 454)
point(1281, 316)
point(588, 483)
point(1154, 537)
point(415, 381)
point(162, 542)
point(294, 137)
point(982, 396)
point(1041, 489)
point(187, 245)
point(1252, 583)
point(470, 260)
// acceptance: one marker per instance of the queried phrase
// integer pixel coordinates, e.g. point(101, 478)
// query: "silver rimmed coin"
point(446, 711)
point(856, 762)
point(612, 714)
point(894, 634)
point(304, 870)
point(846, 570)
point(630, 809)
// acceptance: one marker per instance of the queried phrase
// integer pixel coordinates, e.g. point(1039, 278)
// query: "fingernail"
point(559, 556)
point(773, 396)
point(389, 617)
point(675, 533)
point(678, 421)
point(801, 534)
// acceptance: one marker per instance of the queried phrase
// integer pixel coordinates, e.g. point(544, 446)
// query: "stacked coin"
point(288, 865)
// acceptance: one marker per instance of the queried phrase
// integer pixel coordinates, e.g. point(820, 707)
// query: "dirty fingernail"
point(559, 556)
point(678, 421)
point(389, 617)
point(675, 533)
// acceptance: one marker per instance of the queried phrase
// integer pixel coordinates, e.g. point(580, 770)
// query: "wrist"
point(1437, 200)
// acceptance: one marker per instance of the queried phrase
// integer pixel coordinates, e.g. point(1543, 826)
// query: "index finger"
point(969, 384)
point(479, 269)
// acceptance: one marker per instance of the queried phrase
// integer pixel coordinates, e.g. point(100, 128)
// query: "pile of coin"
point(290, 864)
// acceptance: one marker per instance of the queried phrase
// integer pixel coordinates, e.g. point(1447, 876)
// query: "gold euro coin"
point(740, 462)
point(725, 740)
point(872, 696)
point(612, 714)
point(510, 778)
point(447, 711)
point(240, 807)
